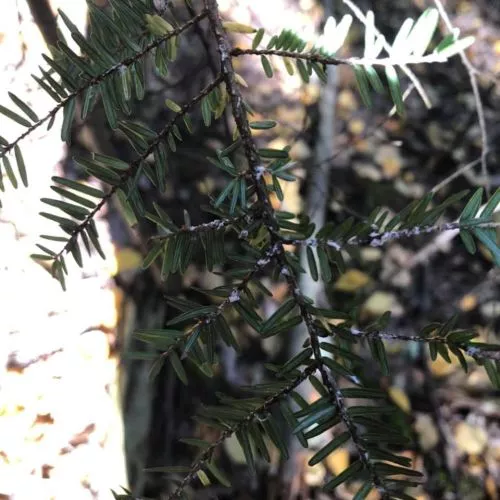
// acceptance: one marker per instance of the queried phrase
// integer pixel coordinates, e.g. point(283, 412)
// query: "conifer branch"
point(251, 153)
point(475, 350)
point(264, 408)
point(409, 73)
point(378, 239)
point(213, 225)
point(334, 61)
point(234, 296)
point(329, 381)
point(239, 113)
point(269, 231)
point(135, 164)
point(101, 77)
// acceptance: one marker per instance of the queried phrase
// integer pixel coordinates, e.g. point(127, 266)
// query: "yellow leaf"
point(315, 475)
point(205, 481)
point(289, 66)
point(468, 302)
point(352, 280)
point(356, 126)
point(127, 259)
point(158, 26)
point(173, 106)
point(400, 398)
point(441, 368)
point(380, 302)
point(238, 27)
point(338, 461)
point(470, 439)
point(240, 80)
point(428, 436)
point(389, 158)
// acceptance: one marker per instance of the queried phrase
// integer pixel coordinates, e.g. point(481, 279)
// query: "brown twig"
point(335, 61)
point(477, 98)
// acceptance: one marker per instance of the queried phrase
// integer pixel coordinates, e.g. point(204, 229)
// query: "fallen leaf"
point(315, 475)
point(400, 398)
point(441, 368)
point(352, 280)
point(338, 461)
point(300, 151)
point(389, 158)
point(380, 302)
point(428, 436)
point(370, 254)
point(127, 259)
point(491, 488)
point(470, 439)
point(468, 303)
point(346, 101)
point(356, 126)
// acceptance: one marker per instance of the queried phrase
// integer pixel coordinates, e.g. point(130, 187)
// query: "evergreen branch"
point(239, 114)
point(270, 221)
point(215, 225)
point(99, 78)
point(352, 61)
point(377, 239)
point(263, 408)
point(234, 296)
point(329, 382)
point(476, 351)
point(135, 164)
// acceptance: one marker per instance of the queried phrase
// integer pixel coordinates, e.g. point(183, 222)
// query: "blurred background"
point(79, 417)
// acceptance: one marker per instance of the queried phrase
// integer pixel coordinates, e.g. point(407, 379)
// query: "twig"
point(351, 61)
point(216, 225)
point(316, 207)
point(377, 239)
point(456, 174)
point(476, 352)
point(477, 98)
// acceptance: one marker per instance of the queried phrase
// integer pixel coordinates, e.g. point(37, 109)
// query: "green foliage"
point(111, 68)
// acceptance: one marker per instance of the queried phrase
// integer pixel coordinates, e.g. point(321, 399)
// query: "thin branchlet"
point(263, 408)
point(214, 225)
point(476, 352)
point(335, 61)
point(233, 297)
point(135, 164)
point(378, 239)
